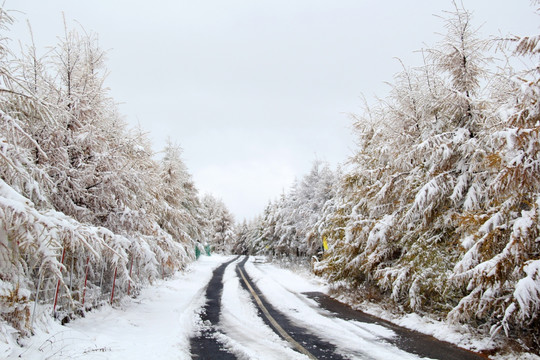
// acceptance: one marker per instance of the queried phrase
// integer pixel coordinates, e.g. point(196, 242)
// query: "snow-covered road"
point(168, 321)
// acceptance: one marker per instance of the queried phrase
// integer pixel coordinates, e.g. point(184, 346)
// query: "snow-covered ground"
point(245, 333)
point(283, 288)
point(159, 323)
point(155, 325)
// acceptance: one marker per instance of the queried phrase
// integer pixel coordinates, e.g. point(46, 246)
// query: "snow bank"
point(156, 325)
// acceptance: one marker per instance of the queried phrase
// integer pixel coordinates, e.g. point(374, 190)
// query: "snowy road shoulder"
point(284, 290)
point(164, 320)
point(355, 334)
point(155, 325)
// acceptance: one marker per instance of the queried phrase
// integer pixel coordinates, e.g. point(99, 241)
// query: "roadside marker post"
point(325, 243)
point(58, 283)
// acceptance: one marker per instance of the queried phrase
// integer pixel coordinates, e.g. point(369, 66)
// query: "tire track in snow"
point(205, 345)
point(352, 340)
point(272, 321)
point(305, 342)
point(245, 333)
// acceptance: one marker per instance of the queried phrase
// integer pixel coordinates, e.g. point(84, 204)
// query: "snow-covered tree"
point(500, 266)
point(289, 225)
point(246, 232)
point(438, 210)
point(82, 200)
point(220, 229)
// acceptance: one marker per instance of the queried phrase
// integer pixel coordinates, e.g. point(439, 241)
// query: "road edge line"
point(274, 323)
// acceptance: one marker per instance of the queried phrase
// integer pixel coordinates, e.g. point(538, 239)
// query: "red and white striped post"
point(58, 283)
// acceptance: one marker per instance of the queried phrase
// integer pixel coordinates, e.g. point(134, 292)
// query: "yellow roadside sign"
point(324, 243)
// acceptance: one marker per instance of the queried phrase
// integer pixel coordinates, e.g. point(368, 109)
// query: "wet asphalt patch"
point(205, 346)
point(410, 341)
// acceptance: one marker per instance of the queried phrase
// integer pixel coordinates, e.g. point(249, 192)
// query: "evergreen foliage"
point(79, 191)
point(219, 230)
point(437, 211)
point(288, 227)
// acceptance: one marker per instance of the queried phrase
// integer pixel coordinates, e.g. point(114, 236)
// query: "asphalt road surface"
point(307, 344)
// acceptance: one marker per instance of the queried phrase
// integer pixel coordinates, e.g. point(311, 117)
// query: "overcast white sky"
point(254, 91)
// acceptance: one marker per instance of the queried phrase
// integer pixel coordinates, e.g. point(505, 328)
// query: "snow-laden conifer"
point(82, 200)
point(499, 266)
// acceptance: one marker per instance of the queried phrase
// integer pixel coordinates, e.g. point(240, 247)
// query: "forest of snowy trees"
point(87, 213)
point(289, 225)
point(437, 211)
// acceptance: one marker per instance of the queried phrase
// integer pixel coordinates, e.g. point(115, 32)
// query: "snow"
point(283, 289)
point(159, 323)
point(242, 325)
point(156, 325)
point(10, 197)
point(527, 291)
point(458, 334)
